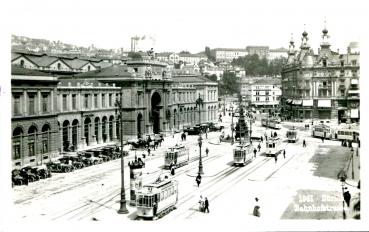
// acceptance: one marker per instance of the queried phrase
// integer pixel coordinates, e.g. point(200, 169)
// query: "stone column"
point(107, 129)
point(61, 139)
point(114, 130)
point(99, 133)
point(70, 140)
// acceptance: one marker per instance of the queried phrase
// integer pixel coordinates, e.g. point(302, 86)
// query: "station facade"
point(81, 110)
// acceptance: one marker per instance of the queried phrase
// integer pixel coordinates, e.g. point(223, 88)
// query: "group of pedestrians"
point(204, 204)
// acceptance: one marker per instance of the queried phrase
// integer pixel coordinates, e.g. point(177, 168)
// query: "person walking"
point(207, 151)
point(198, 180)
point(323, 139)
point(255, 152)
point(284, 153)
point(148, 151)
point(256, 211)
point(206, 205)
point(261, 138)
point(172, 169)
point(259, 147)
point(303, 143)
point(275, 158)
point(201, 204)
point(347, 198)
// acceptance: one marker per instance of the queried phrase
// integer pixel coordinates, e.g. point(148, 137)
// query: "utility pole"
point(123, 208)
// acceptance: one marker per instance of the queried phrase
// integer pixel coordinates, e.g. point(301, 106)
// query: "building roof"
point(76, 63)
point(81, 82)
point(111, 71)
point(230, 49)
point(18, 70)
point(191, 79)
point(42, 61)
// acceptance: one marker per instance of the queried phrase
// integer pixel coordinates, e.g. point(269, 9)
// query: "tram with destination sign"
point(292, 135)
point(242, 154)
point(176, 156)
point(157, 199)
point(273, 146)
point(322, 131)
point(271, 123)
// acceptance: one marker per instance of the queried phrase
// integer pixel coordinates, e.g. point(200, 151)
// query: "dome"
point(304, 34)
point(325, 31)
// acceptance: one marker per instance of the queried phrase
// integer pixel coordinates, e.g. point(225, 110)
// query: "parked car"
point(43, 171)
point(195, 130)
point(92, 159)
point(215, 126)
point(17, 177)
point(76, 161)
point(30, 173)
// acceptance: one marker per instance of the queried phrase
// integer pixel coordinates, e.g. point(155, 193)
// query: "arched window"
point(32, 141)
point(17, 143)
point(45, 138)
point(59, 66)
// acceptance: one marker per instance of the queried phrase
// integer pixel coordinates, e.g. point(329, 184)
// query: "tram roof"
point(159, 184)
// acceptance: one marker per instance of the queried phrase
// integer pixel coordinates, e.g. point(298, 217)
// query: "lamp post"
point(232, 139)
point(342, 176)
point(201, 171)
point(123, 209)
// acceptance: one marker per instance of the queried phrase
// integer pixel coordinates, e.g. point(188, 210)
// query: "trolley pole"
point(123, 208)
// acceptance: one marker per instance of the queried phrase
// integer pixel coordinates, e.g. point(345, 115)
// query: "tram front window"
point(145, 201)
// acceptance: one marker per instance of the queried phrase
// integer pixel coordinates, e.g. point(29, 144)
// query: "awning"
point(297, 102)
point(354, 81)
point(353, 91)
point(307, 102)
point(324, 103)
point(289, 101)
point(354, 113)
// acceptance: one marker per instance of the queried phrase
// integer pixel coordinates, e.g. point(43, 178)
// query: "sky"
point(186, 25)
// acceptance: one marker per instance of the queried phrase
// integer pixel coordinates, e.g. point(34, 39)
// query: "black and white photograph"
point(183, 115)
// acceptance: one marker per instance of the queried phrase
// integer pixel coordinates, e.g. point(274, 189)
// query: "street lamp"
point(200, 159)
point(342, 176)
point(232, 139)
point(123, 209)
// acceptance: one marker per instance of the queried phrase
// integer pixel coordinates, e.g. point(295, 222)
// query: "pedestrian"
point(198, 180)
point(255, 152)
point(256, 211)
point(323, 139)
point(275, 134)
point(185, 136)
point(172, 170)
point(275, 158)
point(206, 205)
point(303, 143)
point(207, 151)
point(284, 153)
point(148, 151)
point(259, 147)
point(201, 204)
point(261, 138)
point(347, 198)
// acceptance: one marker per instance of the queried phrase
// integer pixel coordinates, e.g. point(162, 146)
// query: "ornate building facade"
point(53, 114)
point(323, 85)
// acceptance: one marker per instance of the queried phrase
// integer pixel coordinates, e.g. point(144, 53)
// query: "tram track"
point(86, 208)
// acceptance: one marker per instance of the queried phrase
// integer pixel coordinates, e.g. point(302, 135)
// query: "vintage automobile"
point(76, 161)
point(17, 177)
point(92, 159)
point(195, 130)
point(30, 173)
point(215, 126)
point(43, 171)
point(99, 154)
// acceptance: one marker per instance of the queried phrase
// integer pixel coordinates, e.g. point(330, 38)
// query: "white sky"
point(188, 24)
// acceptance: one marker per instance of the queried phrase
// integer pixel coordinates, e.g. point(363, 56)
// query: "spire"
point(304, 40)
point(325, 37)
point(291, 46)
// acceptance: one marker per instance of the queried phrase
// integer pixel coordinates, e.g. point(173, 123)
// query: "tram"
point(292, 135)
point(273, 146)
point(177, 155)
point(349, 134)
point(271, 123)
point(157, 199)
point(322, 131)
point(242, 154)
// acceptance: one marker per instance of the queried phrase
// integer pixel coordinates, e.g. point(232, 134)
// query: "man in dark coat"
point(206, 208)
point(255, 152)
point(198, 180)
point(347, 198)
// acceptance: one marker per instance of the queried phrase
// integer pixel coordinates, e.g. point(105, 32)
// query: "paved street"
point(282, 186)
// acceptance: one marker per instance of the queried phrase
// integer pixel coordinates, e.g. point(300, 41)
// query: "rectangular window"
point(103, 100)
point(31, 148)
point(17, 105)
point(16, 150)
point(45, 103)
point(31, 104)
point(95, 101)
point(86, 101)
point(110, 100)
point(74, 101)
point(65, 105)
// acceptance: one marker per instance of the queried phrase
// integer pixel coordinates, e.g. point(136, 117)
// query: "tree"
point(134, 55)
point(229, 84)
point(212, 77)
point(209, 54)
point(255, 66)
